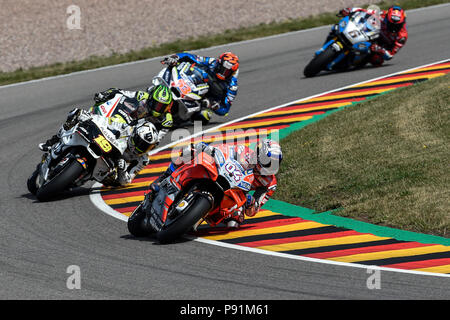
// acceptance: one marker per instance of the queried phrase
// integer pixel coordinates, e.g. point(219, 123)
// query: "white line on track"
point(97, 200)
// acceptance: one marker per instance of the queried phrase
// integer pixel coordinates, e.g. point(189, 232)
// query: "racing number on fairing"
point(233, 171)
point(184, 87)
point(103, 143)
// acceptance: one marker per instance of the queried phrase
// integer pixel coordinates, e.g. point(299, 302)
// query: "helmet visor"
point(160, 107)
point(161, 100)
point(222, 72)
point(394, 27)
point(140, 145)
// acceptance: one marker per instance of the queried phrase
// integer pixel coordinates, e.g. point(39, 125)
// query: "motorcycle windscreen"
point(201, 167)
point(106, 109)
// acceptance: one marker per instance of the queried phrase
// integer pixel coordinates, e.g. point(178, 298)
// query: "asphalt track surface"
point(39, 241)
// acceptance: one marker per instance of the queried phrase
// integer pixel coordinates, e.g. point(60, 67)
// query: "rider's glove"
point(84, 115)
point(73, 114)
point(344, 12)
point(161, 134)
point(72, 117)
point(203, 147)
point(205, 104)
point(168, 121)
point(105, 95)
point(171, 60)
point(121, 164)
point(214, 106)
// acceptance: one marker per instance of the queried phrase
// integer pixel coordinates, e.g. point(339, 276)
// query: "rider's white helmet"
point(143, 138)
point(269, 157)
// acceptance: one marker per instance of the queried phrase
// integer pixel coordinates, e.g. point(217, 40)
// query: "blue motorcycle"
point(349, 46)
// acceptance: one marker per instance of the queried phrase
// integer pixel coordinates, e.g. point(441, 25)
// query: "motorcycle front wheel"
point(31, 182)
point(183, 223)
point(60, 181)
point(319, 62)
point(135, 223)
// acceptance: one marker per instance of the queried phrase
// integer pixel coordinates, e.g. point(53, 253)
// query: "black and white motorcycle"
point(85, 151)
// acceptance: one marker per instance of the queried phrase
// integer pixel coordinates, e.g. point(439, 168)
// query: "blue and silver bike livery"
point(350, 45)
point(189, 83)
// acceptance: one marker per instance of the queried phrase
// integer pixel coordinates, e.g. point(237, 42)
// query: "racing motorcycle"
point(85, 152)
point(208, 188)
point(189, 83)
point(349, 47)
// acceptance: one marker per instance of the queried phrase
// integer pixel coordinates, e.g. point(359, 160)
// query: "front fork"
point(338, 47)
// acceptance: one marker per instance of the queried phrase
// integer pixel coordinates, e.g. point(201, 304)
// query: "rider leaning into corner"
point(224, 69)
point(393, 34)
point(265, 162)
point(153, 105)
point(128, 120)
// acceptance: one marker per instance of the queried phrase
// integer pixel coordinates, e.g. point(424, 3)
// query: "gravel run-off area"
point(36, 33)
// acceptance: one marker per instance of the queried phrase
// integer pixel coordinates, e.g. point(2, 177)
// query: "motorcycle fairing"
point(107, 108)
point(161, 204)
point(188, 81)
point(95, 138)
point(203, 166)
point(349, 29)
point(325, 46)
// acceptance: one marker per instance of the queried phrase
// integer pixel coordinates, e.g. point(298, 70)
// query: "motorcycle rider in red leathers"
point(393, 34)
point(265, 162)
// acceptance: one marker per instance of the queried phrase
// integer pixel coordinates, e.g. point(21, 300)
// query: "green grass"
point(227, 36)
point(384, 161)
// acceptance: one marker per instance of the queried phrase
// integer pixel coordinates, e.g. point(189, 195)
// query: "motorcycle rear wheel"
point(60, 182)
point(184, 223)
point(319, 62)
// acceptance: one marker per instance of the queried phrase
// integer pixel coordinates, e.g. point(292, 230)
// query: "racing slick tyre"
point(31, 182)
point(183, 223)
point(60, 181)
point(135, 223)
point(319, 62)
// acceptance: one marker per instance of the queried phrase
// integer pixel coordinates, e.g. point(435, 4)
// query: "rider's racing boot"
point(204, 116)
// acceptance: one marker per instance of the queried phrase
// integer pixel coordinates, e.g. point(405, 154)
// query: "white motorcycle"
point(86, 151)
